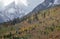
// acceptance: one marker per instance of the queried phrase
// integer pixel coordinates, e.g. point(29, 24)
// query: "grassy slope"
point(44, 25)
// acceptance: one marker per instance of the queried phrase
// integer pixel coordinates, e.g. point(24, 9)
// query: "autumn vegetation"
point(43, 24)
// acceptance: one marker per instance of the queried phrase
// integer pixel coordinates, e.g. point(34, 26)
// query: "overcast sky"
point(24, 2)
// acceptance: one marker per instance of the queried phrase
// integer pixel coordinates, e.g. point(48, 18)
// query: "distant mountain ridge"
point(13, 11)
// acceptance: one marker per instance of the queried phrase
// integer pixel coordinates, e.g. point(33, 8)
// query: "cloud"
point(6, 2)
point(24, 2)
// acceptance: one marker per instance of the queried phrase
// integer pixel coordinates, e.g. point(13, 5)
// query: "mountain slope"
point(13, 11)
point(46, 4)
point(40, 25)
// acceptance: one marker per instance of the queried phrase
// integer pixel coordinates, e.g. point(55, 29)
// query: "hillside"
point(40, 25)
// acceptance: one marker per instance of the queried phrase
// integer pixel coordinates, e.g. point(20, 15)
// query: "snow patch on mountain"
point(21, 2)
point(57, 2)
point(20, 8)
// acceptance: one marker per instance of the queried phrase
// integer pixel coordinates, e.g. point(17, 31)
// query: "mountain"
point(13, 11)
point(43, 25)
point(46, 4)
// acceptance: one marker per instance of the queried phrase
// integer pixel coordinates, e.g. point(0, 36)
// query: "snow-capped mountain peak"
point(20, 8)
point(7, 2)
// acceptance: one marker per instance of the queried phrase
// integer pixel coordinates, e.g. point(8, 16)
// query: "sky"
point(22, 2)
point(25, 2)
point(7, 2)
